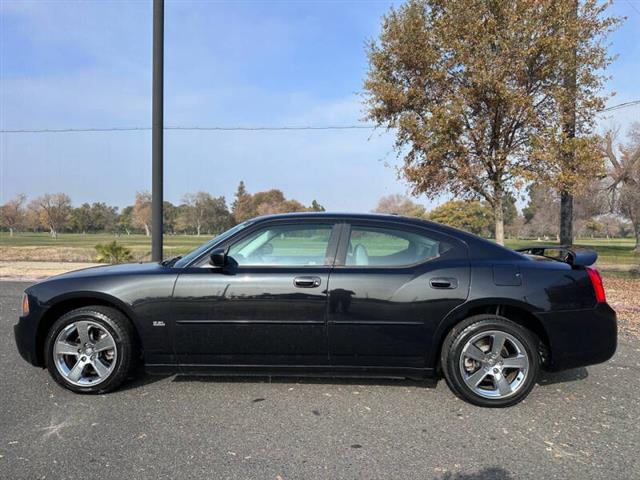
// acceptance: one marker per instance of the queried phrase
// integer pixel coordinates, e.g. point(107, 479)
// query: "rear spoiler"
point(562, 253)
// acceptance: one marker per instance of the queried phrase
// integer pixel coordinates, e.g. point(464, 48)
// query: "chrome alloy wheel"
point(85, 353)
point(494, 364)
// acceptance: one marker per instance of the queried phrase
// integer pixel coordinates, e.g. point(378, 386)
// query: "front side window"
point(284, 245)
point(372, 246)
point(188, 258)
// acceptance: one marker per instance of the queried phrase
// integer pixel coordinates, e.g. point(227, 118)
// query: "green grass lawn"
point(614, 251)
point(617, 251)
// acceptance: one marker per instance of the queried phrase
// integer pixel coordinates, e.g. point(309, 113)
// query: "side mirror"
point(218, 257)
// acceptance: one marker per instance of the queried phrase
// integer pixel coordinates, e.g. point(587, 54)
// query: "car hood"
point(109, 270)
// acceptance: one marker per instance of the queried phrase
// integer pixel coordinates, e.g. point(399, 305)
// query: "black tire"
point(452, 349)
point(121, 330)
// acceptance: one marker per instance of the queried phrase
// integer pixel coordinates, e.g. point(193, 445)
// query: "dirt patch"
point(623, 294)
point(34, 271)
point(47, 254)
point(58, 254)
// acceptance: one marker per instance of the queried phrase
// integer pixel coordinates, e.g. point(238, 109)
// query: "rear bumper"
point(25, 335)
point(578, 338)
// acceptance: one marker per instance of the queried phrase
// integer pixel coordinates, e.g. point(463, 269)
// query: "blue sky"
point(88, 64)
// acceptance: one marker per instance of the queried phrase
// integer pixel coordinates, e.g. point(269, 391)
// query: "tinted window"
point(184, 261)
point(390, 247)
point(283, 245)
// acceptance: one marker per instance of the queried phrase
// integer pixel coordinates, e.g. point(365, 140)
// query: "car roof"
point(479, 247)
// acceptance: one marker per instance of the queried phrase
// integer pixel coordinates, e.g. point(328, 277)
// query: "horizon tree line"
point(198, 213)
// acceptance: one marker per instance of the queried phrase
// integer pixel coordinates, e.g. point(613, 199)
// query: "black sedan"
point(328, 294)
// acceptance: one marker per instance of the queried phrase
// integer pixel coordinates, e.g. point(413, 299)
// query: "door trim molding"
point(275, 322)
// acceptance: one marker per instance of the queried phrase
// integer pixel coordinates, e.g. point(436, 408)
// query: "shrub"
point(112, 253)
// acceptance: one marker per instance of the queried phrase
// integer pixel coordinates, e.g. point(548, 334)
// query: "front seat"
point(360, 256)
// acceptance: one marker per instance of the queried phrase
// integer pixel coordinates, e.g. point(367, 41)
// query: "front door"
point(390, 288)
point(269, 308)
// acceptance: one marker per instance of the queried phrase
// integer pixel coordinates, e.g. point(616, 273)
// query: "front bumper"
point(578, 338)
point(25, 332)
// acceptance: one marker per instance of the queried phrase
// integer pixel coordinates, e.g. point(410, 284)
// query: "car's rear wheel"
point(90, 349)
point(490, 361)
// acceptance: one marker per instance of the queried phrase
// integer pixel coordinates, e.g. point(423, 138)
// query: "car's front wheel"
point(90, 349)
point(490, 361)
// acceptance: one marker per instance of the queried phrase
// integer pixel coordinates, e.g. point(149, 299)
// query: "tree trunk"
point(498, 214)
point(198, 227)
point(10, 232)
point(566, 218)
point(146, 230)
point(569, 129)
point(636, 227)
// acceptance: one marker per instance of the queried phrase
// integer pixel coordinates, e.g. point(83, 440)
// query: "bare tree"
point(141, 214)
point(12, 214)
point(624, 174)
point(203, 211)
point(399, 205)
point(52, 210)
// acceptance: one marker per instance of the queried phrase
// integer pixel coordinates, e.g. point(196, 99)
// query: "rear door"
point(391, 286)
point(270, 309)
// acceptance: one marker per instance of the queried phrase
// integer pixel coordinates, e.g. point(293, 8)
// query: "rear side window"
point(373, 246)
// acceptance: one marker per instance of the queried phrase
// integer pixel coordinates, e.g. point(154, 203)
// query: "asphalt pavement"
point(581, 424)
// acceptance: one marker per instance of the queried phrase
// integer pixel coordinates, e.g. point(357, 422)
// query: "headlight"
point(25, 304)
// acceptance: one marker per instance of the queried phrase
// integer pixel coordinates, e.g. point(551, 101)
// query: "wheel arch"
point(66, 303)
point(518, 312)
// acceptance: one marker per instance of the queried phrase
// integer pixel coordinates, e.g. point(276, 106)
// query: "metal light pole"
point(157, 126)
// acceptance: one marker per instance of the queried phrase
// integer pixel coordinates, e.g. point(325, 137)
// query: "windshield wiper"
point(171, 261)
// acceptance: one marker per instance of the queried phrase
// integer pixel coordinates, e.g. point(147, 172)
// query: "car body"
point(332, 294)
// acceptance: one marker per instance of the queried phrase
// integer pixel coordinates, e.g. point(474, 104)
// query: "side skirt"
point(293, 371)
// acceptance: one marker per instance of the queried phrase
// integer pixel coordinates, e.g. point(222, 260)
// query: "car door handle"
point(307, 282)
point(443, 283)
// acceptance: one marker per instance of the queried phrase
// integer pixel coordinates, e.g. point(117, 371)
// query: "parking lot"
point(579, 424)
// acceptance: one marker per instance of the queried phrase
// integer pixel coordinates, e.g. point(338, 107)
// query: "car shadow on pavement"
point(552, 378)
point(142, 379)
point(427, 383)
point(491, 473)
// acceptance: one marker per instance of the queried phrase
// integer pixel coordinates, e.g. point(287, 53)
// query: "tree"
point(80, 219)
point(624, 175)
point(542, 213)
point(568, 147)
point(204, 212)
point(169, 217)
point(273, 201)
point(52, 211)
point(241, 207)
point(593, 227)
point(103, 217)
point(471, 216)
point(141, 214)
point(399, 205)
point(468, 86)
point(97, 217)
point(12, 214)
point(125, 220)
point(316, 207)
point(246, 206)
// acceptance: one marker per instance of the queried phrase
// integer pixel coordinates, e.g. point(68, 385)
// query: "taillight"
point(598, 287)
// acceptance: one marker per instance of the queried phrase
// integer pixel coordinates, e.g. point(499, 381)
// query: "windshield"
point(191, 256)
